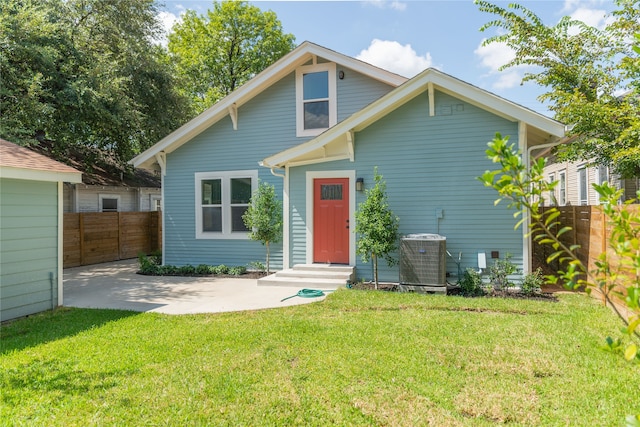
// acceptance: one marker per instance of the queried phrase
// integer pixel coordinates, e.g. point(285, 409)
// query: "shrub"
point(221, 269)
point(204, 269)
point(531, 283)
point(187, 270)
point(258, 266)
point(500, 271)
point(238, 270)
point(471, 283)
point(147, 265)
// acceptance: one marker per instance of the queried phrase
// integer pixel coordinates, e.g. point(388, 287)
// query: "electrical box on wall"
point(439, 213)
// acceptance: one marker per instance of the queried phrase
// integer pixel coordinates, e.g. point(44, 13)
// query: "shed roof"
point(22, 163)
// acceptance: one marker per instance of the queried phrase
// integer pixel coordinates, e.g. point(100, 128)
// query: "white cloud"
point(167, 19)
point(384, 4)
point(495, 55)
point(397, 58)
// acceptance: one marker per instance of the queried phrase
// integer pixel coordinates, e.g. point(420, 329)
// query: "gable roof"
point(540, 129)
point(22, 163)
point(281, 68)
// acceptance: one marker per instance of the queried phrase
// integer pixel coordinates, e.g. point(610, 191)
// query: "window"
point(582, 186)
point(155, 203)
point(603, 176)
point(562, 189)
point(552, 193)
point(221, 200)
point(109, 203)
point(316, 108)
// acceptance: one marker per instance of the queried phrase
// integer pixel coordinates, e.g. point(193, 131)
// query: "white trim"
point(309, 177)
point(102, 196)
point(286, 235)
point(162, 215)
point(583, 167)
point(60, 273)
point(225, 178)
point(562, 195)
point(526, 241)
point(330, 68)
point(152, 199)
point(39, 175)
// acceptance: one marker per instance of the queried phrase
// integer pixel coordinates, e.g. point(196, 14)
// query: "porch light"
point(359, 184)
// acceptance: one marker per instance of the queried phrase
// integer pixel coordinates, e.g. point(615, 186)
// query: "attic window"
point(316, 109)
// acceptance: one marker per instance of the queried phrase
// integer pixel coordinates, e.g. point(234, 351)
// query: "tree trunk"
point(374, 259)
point(267, 245)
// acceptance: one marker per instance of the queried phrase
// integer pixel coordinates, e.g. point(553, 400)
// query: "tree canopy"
point(591, 76)
point(86, 73)
point(217, 52)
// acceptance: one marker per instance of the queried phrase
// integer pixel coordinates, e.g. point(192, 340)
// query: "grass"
point(358, 358)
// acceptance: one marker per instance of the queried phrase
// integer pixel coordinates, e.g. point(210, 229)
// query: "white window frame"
point(330, 67)
point(583, 197)
point(101, 198)
point(553, 200)
point(599, 170)
point(562, 188)
point(225, 178)
point(152, 203)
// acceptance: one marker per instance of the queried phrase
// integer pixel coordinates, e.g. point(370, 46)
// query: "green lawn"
point(358, 358)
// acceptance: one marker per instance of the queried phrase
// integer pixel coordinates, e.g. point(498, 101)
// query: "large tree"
point(588, 74)
point(217, 52)
point(86, 73)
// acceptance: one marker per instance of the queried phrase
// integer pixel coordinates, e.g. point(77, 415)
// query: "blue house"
point(314, 124)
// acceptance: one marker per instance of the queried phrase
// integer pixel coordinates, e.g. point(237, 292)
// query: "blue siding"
point(266, 125)
point(29, 249)
point(429, 163)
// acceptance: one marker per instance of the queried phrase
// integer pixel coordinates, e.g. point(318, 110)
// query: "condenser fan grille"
point(423, 260)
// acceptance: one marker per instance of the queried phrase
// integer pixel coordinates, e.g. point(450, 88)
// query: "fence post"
point(81, 226)
point(120, 239)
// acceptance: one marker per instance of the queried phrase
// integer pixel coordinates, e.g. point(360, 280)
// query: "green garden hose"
point(307, 293)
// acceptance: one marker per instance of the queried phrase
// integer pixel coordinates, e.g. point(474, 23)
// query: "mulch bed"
point(547, 294)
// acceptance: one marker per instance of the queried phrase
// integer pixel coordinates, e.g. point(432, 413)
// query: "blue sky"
point(408, 36)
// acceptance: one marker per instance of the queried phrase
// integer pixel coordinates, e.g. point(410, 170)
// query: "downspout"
point(59, 280)
point(528, 247)
point(161, 158)
point(285, 210)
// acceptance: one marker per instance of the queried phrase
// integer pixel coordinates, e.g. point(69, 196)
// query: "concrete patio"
point(116, 285)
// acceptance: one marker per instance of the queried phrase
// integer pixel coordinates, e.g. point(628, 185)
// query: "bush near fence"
point(591, 230)
point(95, 237)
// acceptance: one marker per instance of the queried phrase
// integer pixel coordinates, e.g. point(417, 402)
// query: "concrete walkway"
point(116, 285)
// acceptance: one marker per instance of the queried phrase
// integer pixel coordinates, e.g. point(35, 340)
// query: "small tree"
point(524, 188)
point(264, 216)
point(377, 227)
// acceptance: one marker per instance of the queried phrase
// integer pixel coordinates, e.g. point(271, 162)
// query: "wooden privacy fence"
point(590, 229)
point(95, 237)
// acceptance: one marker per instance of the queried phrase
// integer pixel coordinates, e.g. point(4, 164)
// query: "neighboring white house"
point(31, 187)
point(105, 186)
point(576, 179)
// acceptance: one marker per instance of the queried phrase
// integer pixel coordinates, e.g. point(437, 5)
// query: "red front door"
point(331, 220)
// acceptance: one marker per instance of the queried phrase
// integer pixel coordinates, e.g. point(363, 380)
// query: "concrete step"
point(324, 267)
point(320, 276)
point(313, 274)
